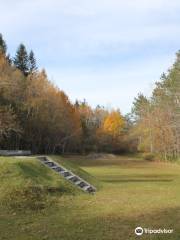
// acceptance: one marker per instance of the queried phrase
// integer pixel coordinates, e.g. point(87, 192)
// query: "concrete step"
point(58, 169)
point(54, 167)
point(82, 184)
point(66, 173)
point(86, 187)
point(51, 164)
point(69, 177)
point(74, 179)
point(91, 189)
point(78, 182)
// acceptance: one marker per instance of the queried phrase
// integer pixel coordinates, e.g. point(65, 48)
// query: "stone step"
point(78, 182)
point(74, 179)
point(58, 169)
point(90, 189)
point(51, 164)
point(54, 167)
point(82, 184)
point(86, 187)
point(46, 162)
point(66, 173)
point(69, 177)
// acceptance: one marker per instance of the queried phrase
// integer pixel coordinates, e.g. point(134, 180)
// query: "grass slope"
point(28, 184)
point(133, 193)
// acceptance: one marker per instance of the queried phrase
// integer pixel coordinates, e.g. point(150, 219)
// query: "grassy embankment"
point(37, 204)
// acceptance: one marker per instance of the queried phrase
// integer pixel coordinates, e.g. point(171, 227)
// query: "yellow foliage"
point(114, 123)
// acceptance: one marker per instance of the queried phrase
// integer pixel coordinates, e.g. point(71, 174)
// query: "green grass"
point(28, 184)
point(132, 192)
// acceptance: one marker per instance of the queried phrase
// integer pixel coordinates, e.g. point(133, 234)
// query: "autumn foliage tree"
point(34, 114)
point(112, 131)
point(114, 124)
point(157, 119)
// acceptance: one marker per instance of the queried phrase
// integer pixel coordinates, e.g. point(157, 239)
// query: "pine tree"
point(76, 104)
point(9, 60)
point(32, 63)
point(3, 46)
point(21, 60)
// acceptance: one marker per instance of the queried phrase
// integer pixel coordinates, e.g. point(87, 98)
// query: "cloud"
point(116, 86)
point(117, 46)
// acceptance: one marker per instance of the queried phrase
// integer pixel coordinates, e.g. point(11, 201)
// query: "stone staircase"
point(68, 175)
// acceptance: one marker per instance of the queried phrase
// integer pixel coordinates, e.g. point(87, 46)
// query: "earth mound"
point(100, 156)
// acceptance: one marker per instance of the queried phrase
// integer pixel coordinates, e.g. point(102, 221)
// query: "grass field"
point(131, 193)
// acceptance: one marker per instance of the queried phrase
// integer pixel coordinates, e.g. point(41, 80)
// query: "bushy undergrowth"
point(149, 156)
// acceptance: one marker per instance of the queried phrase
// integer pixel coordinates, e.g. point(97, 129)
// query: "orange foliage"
point(114, 123)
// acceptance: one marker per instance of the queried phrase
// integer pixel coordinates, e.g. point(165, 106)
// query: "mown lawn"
point(132, 193)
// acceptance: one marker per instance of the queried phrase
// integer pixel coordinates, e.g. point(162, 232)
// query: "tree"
point(9, 60)
point(51, 122)
point(111, 132)
point(3, 46)
point(8, 122)
point(32, 63)
point(114, 123)
point(21, 60)
point(139, 106)
point(157, 119)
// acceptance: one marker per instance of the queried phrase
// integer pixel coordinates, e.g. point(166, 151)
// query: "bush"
point(149, 156)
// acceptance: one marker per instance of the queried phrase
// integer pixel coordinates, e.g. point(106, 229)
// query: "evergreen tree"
point(8, 57)
point(140, 105)
point(32, 63)
point(76, 104)
point(21, 60)
point(3, 46)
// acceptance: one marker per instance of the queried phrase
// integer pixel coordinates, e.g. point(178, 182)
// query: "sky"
point(104, 51)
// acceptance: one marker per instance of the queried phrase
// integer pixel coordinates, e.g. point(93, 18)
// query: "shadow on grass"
point(110, 162)
point(118, 160)
point(136, 180)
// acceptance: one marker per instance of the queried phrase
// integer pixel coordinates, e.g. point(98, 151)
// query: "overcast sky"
point(105, 51)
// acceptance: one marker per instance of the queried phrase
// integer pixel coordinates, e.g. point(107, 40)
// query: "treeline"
point(36, 115)
point(157, 119)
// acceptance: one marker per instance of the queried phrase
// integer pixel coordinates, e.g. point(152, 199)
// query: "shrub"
point(149, 156)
